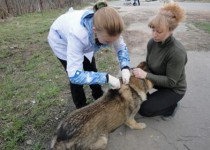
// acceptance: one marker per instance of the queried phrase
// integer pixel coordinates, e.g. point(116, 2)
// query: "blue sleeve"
point(123, 57)
point(122, 53)
point(88, 77)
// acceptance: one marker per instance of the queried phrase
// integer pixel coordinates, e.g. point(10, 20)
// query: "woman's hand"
point(113, 82)
point(126, 76)
point(139, 73)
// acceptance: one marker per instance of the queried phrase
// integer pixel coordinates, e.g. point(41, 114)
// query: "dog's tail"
point(62, 145)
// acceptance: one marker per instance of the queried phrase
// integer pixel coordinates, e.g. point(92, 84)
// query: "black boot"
point(170, 113)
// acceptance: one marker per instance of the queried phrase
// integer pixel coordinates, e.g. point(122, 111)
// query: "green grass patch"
point(34, 87)
point(203, 25)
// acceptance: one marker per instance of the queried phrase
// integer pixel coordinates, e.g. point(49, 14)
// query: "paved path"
point(190, 128)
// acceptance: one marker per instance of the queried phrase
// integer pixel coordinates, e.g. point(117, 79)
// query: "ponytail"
point(100, 4)
point(169, 17)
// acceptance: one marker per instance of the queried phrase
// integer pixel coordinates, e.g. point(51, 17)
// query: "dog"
point(87, 128)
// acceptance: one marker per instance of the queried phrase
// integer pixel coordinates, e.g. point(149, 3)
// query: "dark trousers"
point(162, 102)
point(137, 1)
point(77, 91)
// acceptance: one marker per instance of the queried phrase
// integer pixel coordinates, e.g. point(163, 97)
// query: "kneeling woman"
point(166, 59)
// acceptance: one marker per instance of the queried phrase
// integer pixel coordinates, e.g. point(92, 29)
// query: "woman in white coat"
point(74, 38)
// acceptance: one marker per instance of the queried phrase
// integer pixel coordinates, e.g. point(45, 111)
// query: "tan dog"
point(88, 128)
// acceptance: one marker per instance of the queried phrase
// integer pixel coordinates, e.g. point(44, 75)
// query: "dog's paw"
point(141, 125)
point(134, 125)
point(137, 126)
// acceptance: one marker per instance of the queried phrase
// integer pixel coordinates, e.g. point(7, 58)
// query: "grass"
point(34, 88)
point(203, 25)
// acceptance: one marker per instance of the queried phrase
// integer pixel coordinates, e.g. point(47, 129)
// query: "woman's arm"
point(75, 58)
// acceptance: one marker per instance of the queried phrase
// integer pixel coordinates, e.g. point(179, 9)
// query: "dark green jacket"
point(166, 64)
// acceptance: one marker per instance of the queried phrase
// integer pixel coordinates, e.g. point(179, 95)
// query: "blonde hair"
point(168, 18)
point(107, 20)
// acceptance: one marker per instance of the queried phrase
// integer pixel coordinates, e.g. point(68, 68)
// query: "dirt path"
point(190, 128)
point(137, 33)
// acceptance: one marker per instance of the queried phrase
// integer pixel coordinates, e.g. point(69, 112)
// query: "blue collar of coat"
point(87, 22)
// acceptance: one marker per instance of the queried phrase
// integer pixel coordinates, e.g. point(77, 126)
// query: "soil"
point(137, 33)
point(189, 129)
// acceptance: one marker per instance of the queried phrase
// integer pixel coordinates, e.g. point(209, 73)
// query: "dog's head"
point(141, 86)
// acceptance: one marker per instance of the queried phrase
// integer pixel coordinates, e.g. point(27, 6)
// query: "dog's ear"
point(142, 65)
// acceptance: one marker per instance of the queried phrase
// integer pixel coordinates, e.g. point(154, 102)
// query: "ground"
point(190, 128)
point(35, 94)
point(137, 33)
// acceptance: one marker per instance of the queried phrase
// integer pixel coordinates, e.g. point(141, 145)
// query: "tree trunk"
point(18, 7)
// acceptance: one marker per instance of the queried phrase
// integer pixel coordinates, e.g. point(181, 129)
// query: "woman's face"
point(160, 35)
point(104, 38)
